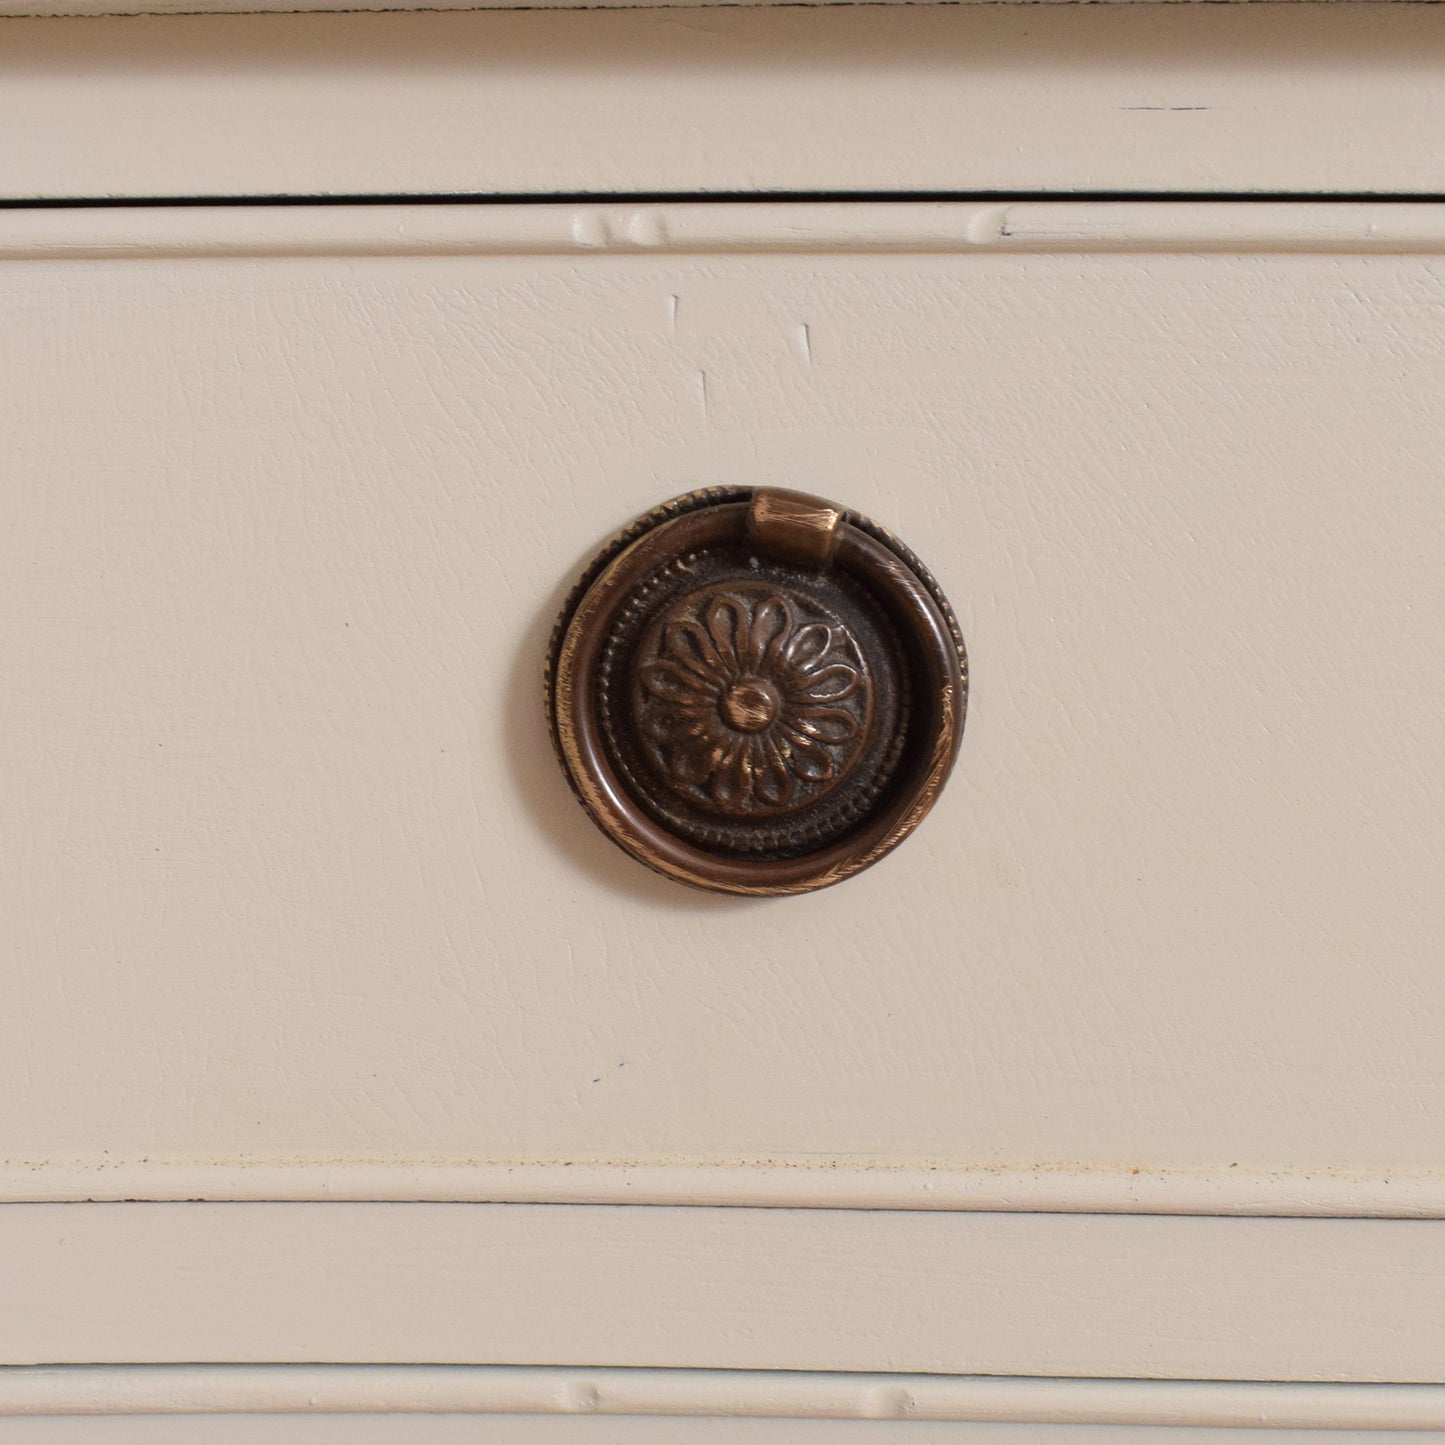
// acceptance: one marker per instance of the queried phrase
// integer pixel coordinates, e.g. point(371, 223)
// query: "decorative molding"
point(812, 1184)
point(520, 1390)
point(727, 667)
point(710, 228)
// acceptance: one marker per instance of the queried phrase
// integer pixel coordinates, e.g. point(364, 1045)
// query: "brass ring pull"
point(755, 691)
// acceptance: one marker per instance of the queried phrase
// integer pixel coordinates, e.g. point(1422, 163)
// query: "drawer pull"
point(756, 691)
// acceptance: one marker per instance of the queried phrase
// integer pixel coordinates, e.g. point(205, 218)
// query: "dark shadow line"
point(534, 198)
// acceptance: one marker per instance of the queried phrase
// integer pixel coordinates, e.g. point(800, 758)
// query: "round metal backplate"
point(755, 691)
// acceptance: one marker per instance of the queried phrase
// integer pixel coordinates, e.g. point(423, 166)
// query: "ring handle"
point(756, 691)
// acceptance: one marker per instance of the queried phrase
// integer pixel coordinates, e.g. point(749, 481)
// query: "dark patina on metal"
point(755, 691)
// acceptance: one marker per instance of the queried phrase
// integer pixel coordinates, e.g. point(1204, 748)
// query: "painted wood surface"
point(729, 1289)
point(24, 8)
point(291, 881)
point(441, 1430)
point(710, 228)
point(1137, 98)
point(702, 1399)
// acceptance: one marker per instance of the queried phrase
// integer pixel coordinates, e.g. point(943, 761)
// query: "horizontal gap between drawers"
point(761, 196)
point(484, 1389)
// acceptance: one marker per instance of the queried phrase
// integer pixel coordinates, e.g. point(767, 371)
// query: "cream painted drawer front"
point(295, 901)
point(433, 1430)
point(442, 1430)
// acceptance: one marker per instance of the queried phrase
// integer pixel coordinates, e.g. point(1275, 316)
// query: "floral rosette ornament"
point(750, 702)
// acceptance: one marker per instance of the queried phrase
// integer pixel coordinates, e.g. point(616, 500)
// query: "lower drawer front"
point(1352, 1304)
point(291, 881)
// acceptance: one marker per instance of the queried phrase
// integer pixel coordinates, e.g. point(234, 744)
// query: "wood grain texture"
point(1138, 98)
point(1231, 1299)
point(291, 878)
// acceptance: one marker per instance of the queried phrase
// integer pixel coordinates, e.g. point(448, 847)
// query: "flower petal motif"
point(747, 705)
point(776, 783)
point(828, 684)
point(809, 645)
point(825, 724)
point(727, 625)
point(673, 683)
point(689, 646)
point(708, 759)
point(807, 760)
point(772, 624)
point(732, 782)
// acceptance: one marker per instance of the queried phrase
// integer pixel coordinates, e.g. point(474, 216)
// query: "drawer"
point(298, 904)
